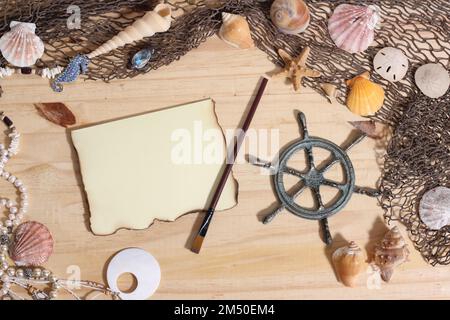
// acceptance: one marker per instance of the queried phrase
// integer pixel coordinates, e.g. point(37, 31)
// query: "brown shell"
point(348, 262)
point(32, 244)
point(390, 253)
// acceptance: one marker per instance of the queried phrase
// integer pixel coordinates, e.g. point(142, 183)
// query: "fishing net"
point(418, 160)
point(420, 28)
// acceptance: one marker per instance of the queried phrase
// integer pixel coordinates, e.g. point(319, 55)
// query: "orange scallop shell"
point(32, 244)
point(365, 97)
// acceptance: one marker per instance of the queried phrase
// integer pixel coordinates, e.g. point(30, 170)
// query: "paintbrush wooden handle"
point(230, 162)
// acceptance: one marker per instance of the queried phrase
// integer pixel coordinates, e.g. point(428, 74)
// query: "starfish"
point(295, 69)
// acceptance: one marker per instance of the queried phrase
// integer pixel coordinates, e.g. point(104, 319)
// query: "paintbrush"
point(198, 241)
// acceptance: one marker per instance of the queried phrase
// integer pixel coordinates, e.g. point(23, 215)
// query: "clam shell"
point(365, 97)
point(235, 31)
point(434, 208)
point(290, 16)
point(32, 244)
point(391, 64)
point(390, 253)
point(21, 46)
point(348, 262)
point(352, 27)
point(432, 79)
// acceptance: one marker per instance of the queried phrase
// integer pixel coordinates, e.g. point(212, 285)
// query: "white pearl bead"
point(3, 202)
point(12, 179)
point(13, 210)
point(9, 204)
point(11, 216)
point(4, 292)
point(8, 223)
point(18, 183)
point(22, 189)
point(5, 278)
point(5, 266)
point(16, 222)
point(24, 196)
point(24, 203)
point(5, 175)
point(4, 248)
point(19, 216)
point(6, 285)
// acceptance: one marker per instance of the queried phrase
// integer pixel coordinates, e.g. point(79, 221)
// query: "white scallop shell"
point(434, 208)
point(21, 46)
point(391, 64)
point(352, 27)
point(432, 79)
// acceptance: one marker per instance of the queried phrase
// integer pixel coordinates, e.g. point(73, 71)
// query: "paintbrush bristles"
point(197, 245)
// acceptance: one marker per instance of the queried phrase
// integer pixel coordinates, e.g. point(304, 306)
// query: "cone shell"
point(390, 253)
point(20, 46)
point(348, 262)
point(235, 31)
point(365, 97)
point(290, 16)
point(434, 208)
point(158, 20)
point(32, 244)
point(432, 79)
point(352, 27)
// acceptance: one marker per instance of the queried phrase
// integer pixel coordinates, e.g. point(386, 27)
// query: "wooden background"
point(241, 257)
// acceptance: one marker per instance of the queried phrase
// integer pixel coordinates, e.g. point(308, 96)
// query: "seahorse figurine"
point(78, 65)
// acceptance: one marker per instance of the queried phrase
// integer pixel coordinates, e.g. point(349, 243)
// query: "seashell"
point(365, 97)
point(21, 46)
point(434, 208)
point(141, 58)
point(329, 89)
point(158, 20)
point(290, 16)
point(370, 128)
point(390, 253)
point(32, 244)
point(348, 262)
point(391, 64)
point(6, 72)
point(51, 73)
point(432, 79)
point(352, 27)
point(235, 31)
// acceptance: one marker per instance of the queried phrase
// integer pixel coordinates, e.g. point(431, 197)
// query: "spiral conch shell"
point(290, 16)
point(390, 253)
point(21, 46)
point(32, 244)
point(365, 97)
point(348, 262)
point(158, 20)
point(235, 31)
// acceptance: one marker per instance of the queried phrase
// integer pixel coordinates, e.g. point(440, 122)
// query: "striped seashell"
point(21, 46)
point(352, 27)
point(32, 244)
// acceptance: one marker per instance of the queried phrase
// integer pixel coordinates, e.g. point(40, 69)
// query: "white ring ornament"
point(139, 263)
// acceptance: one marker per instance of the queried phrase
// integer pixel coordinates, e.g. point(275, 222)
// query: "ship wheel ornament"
point(313, 177)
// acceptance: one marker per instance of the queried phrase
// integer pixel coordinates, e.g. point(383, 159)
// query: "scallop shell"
point(21, 46)
point(365, 97)
point(432, 79)
point(290, 16)
point(348, 262)
point(391, 64)
point(434, 208)
point(352, 27)
point(390, 253)
point(32, 244)
point(235, 31)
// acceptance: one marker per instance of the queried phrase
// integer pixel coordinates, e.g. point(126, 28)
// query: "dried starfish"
point(295, 68)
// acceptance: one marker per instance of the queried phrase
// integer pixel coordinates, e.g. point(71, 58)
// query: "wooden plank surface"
point(241, 257)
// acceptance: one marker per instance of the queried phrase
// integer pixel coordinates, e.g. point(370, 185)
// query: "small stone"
point(141, 58)
point(4, 240)
point(28, 272)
